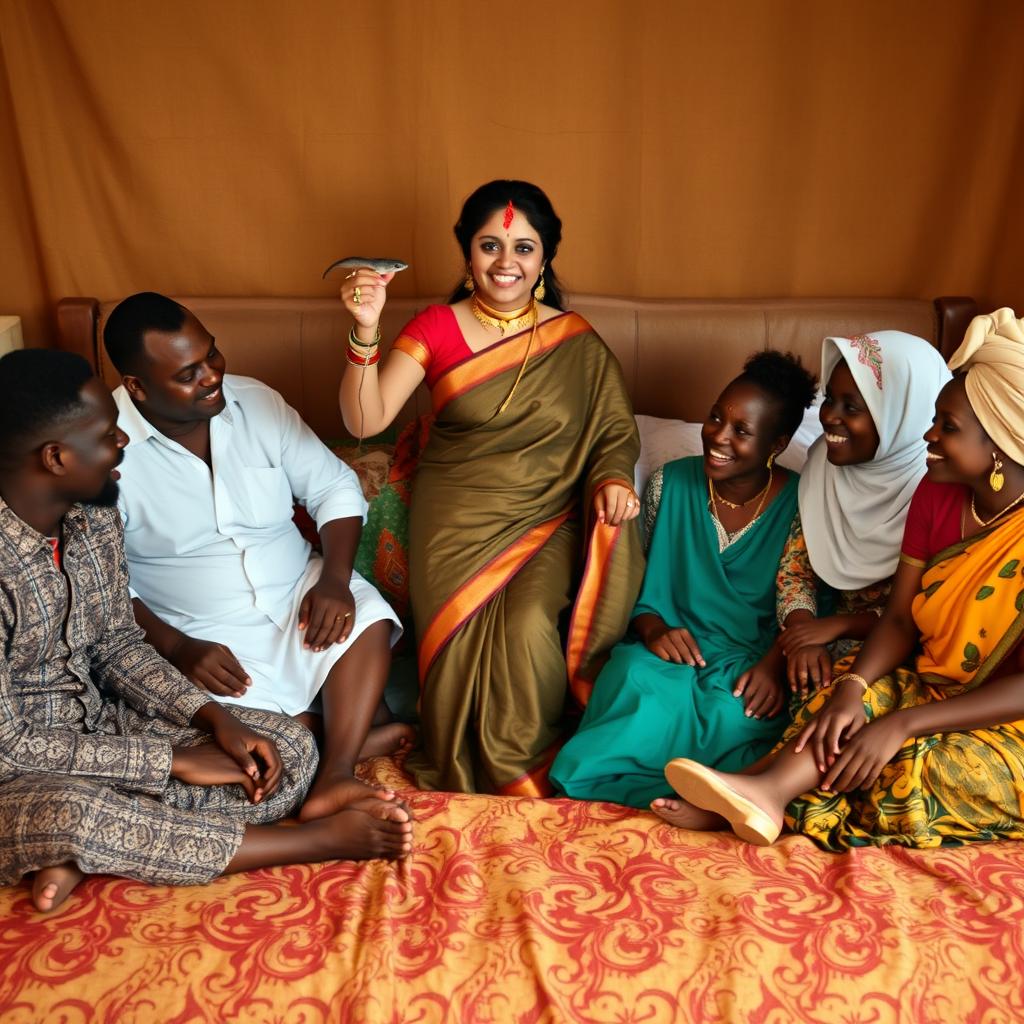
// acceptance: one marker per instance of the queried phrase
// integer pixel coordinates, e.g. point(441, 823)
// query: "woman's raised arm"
point(372, 394)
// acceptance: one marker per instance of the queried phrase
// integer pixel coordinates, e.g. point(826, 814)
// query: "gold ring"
point(355, 296)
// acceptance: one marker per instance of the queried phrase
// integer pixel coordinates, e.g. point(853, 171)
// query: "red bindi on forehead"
point(509, 214)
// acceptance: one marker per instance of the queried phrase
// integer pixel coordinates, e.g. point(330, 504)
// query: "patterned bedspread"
point(516, 910)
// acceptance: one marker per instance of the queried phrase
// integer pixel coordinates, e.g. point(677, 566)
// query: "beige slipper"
point(703, 786)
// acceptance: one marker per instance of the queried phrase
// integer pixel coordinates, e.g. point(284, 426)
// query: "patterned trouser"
point(186, 836)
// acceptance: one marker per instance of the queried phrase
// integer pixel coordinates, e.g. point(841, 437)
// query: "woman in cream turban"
point(927, 748)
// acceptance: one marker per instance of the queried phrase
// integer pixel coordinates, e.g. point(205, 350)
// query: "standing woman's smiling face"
point(850, 433)
point(506, 261)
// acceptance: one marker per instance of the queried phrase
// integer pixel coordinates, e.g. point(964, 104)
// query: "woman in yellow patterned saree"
point(932, 754)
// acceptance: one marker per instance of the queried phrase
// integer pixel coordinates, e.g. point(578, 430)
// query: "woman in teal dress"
point(701, 671)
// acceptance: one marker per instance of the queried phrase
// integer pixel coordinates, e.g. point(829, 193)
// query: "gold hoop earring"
point(996, 478)
point(469, 284)
point(540, 291)
point(771, 459)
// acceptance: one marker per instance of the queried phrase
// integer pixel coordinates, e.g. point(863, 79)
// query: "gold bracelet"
point(856, 678)
point(353, 340)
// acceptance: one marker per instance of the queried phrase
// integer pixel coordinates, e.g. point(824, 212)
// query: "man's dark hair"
point(40, 388)
point(126, 327)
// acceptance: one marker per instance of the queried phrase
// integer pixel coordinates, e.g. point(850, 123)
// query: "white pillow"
point(663, 441)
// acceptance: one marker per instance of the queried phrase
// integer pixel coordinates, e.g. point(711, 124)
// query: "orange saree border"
point(412, 347)
point(600, 551)
point(502, 357)
point(481, 587)
point(535, 782)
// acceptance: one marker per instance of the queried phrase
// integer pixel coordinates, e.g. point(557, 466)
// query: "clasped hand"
point(327, 614)
point(808, 662)
point(235, 754)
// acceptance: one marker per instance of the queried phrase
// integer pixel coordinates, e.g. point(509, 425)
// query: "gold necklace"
point(725, 538)
point(513, 320)
point(986, 522)
point(717, 496)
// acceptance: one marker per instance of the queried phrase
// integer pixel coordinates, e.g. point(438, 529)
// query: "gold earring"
point(469, 284)
point(996, 478)
point(540, 291)
point(771, 459)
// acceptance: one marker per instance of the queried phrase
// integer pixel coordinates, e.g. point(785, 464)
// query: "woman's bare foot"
point(743, 800)
point(333, 791)
point(52, 886)
point(356, 834)
point(384, 740)
point(683, 814)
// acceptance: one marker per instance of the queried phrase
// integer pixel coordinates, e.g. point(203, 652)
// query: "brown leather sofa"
point(676, 354)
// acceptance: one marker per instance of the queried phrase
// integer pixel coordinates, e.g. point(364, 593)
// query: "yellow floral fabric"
point(953, 787)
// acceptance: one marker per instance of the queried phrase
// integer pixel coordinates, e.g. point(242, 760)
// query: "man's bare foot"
point(742, 800)
point(355, 834)
point(52, 886)
point(384, 740)
point(683, 814)
point(334, 791)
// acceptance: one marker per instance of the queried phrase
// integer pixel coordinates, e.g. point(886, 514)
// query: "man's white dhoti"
point(286, 676)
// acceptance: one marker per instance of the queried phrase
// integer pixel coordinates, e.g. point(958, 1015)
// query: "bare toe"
point(383, 810)
point(332, 793)
point(385, 740)
point(683, 814)
point(52, 886)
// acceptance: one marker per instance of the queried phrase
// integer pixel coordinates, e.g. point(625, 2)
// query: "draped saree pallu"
point(953, 787)
point(501, 553)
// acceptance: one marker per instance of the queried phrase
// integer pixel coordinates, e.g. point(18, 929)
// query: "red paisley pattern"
point(539, 911)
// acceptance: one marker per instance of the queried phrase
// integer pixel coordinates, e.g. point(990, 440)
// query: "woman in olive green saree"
point(524, 562)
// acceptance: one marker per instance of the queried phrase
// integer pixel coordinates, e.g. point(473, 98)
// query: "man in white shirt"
point(223, 583)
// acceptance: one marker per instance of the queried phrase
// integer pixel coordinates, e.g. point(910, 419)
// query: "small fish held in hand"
point(380, 264)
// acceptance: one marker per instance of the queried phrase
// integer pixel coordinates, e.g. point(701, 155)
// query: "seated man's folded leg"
point(52, 820)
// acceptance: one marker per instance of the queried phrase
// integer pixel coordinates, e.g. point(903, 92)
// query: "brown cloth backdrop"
point(741, 148)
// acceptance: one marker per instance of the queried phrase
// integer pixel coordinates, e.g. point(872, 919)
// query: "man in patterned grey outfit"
point(110, 760)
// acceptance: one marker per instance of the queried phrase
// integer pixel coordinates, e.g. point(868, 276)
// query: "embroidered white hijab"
point(853, 516)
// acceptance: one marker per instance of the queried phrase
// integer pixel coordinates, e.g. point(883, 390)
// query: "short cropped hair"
point(40, 389)
point(125, 329)
point(785, 378)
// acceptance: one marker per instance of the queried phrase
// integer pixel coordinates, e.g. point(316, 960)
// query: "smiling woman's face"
point(850, 432)
point(740, 432)
point(506, 262)
point(959, 450)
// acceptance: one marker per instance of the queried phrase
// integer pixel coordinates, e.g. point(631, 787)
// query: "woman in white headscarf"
point(854, 494)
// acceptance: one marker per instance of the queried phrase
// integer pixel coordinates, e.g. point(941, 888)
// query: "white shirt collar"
point(139, 429)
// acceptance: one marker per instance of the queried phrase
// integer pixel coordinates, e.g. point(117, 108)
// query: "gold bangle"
point(353, 340)
point(856, 678)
